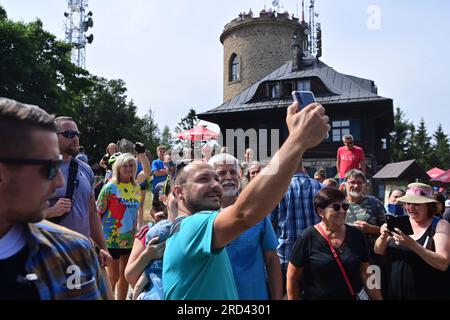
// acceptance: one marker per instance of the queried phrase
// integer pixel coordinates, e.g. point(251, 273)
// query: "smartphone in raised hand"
point(303, 98)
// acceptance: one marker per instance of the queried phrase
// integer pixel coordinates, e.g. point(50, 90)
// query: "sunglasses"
point(52, 166)
point(179, 165)
point(337, 207)
point(69, 134)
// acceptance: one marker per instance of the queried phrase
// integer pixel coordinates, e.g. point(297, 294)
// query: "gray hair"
point(355, 173)
point(224, 158)
point(347, 136)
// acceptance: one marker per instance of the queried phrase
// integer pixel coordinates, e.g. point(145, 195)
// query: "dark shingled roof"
point(408, 170)
point(345, 89)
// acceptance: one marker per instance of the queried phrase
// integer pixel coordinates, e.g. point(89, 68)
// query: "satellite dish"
point(90, 14)
point(90, 38)
point(307, 31)
point(90, 22)
point(66, 14)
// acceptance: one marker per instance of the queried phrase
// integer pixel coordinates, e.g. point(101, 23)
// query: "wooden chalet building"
point(352, 103)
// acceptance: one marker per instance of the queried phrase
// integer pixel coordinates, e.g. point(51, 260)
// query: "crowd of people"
point(218, 229)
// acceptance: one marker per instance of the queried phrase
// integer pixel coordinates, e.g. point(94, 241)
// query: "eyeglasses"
point(52, 166)
point(179, 165)
point(337, 207)
point(69, 134)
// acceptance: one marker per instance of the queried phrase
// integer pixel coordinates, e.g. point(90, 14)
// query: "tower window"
point(234, 68)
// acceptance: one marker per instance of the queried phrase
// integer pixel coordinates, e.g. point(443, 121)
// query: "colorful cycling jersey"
point(118, 205)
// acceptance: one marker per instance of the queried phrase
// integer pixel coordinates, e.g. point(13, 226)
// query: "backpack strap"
point(72, 182)
point(71, 179)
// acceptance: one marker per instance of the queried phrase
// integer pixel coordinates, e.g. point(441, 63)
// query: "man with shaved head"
point(196, 263)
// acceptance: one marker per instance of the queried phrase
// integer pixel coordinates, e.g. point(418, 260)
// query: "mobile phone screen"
point(400, 222)
point(304, 98)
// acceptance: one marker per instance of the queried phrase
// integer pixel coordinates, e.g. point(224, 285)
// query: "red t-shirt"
point(350, 159)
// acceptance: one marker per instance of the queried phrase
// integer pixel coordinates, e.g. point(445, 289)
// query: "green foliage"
point(166, 137)
point(400, 138)
point(421, 145)
point(150, 133)
point(187, 122)
point(35, 68)
point(410, 142)
point(440, 156)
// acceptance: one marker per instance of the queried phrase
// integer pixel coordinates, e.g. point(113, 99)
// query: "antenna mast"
point(276, 4)
point(314, 32)
point(77, 24)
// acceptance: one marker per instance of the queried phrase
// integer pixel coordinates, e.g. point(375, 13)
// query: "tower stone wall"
point(261, 45)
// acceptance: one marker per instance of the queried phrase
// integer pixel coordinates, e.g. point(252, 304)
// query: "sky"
point(169, 53)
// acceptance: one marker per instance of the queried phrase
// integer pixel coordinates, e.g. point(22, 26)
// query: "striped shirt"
point(294, 214)
point(62, 264)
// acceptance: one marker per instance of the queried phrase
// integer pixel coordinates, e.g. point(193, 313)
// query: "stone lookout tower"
point(255, 46)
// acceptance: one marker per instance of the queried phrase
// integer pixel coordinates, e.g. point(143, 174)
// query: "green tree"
point(440, 156)
point(188, 122)
point(36, 68)
point(104, 115)
point(150, 132)
point(166, 137)
point(3, 15)
point(400, 138)
point(421, 145)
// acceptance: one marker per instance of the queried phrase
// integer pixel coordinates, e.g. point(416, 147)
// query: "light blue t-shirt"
point(246, 255)
point(192, 270)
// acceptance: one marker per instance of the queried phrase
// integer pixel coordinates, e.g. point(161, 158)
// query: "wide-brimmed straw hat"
point(418, 193)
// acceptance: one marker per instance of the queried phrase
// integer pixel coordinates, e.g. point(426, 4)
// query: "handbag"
point(362, 294)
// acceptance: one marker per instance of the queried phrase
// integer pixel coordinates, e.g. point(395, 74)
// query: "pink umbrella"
point(198, 133)
point(435, 172)
point(444, 178)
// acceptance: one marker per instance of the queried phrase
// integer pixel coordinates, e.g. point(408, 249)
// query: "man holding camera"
point(74, 204)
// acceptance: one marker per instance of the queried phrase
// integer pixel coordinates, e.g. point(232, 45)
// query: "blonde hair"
point(111, 145)
point(120, 161)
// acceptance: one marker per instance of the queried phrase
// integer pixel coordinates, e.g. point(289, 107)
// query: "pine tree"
point(166, 137)
point(400, 138)
point(440, 156)
point(421, 146)
point(187, 122)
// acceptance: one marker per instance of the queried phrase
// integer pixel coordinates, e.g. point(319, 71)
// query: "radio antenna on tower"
point(276, 4)
point(314, 33)
point(77, 24)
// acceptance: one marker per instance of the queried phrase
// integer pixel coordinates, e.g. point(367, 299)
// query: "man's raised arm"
point(307, 129)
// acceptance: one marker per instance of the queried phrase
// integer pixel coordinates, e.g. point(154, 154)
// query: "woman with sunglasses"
point(118, 205)
point(418, 262)
point(313, 271)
